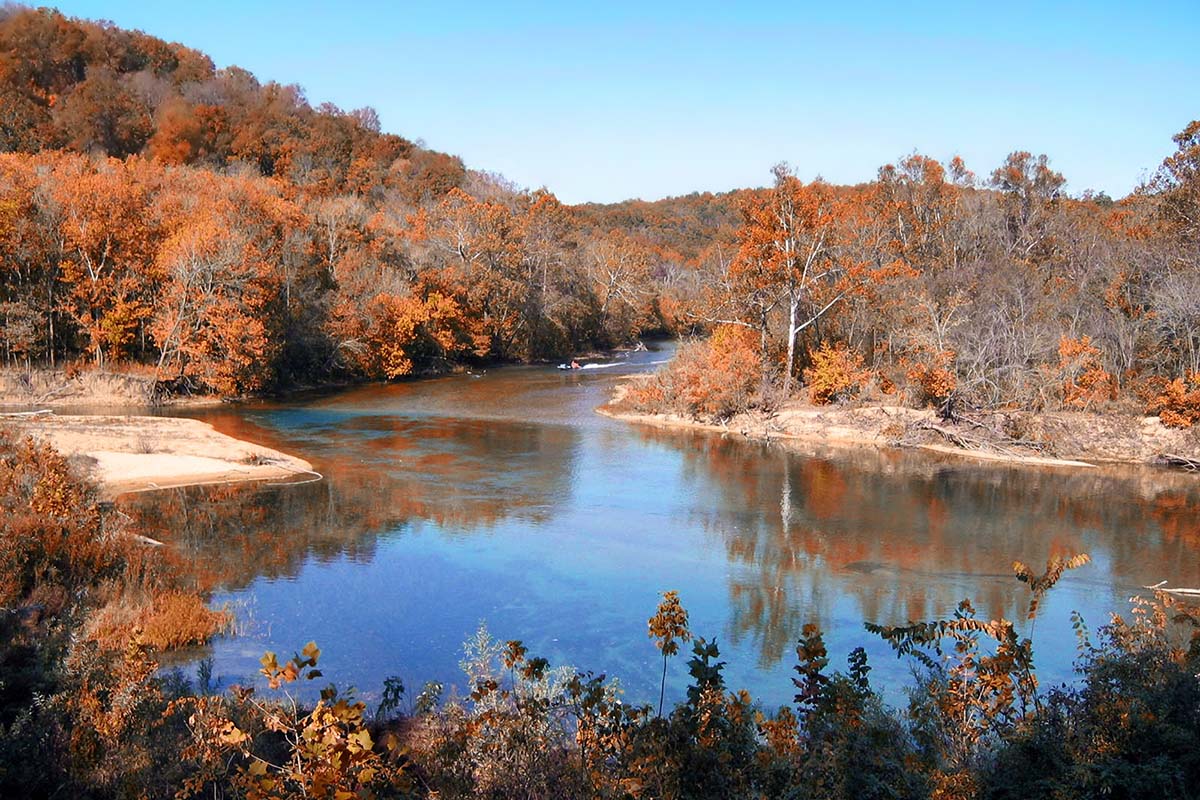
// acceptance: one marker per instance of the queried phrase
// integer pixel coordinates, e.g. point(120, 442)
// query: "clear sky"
point(654, 99)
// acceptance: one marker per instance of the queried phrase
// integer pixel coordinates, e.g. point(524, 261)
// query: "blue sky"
point(621, 100)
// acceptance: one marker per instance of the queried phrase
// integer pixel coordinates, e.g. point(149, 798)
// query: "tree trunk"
point(793, 310)
point(50, 324)
point(764, 356)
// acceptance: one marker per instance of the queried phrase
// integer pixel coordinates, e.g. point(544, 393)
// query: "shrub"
point(713, 380)
point(1132, 729)
point(1177, 402)
point(261, 748)
point(179, 619)
point(79, 719)
point(836, 374)
point(933, 380)
point(1082, 379)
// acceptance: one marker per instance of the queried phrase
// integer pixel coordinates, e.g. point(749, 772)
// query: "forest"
point(223, 236)
point(159, 214)
point(162, 216)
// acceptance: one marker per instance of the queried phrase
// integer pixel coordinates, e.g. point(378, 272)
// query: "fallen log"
point(1162, 587)
point(1002, 444)
point(1179, 462)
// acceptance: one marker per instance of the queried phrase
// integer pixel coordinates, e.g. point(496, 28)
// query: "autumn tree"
point(1177, 183)
point(187, 133)
point(787, 257)
point(480, 245)
point(107, 234)
point(1029, 189)
point(668, 627)
point(619, 270)
point(214, 320)
point(104, 114)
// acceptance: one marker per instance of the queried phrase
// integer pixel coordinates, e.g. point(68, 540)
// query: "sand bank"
point(1069, 439)
point(129, 454)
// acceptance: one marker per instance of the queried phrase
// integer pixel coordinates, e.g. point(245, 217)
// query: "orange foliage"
point(180, 619)
point(934, 379)
point(714, 379)
point(329, 750)
point(1177, 402)
point(52, 543)
point(188, 134)
point(836, 374)
point(1084, 381)
point(242, 239)
point(787, 259)
point(212, 319)
point(407, 330)
point(107, 235)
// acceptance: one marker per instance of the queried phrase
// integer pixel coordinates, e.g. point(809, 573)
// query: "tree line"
point(157, 211)
point(226, 235)
point(930, 283)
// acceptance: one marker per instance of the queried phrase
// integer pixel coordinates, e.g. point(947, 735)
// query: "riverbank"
point(132, 387)
point(132, 453)
point(1053, 439)
point(97, 388)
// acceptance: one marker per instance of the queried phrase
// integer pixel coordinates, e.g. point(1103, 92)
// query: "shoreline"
point(127, 454)
point(45, 387)
point(1079, 440)
point(128, 391)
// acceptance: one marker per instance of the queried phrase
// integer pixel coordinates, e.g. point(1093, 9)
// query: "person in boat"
point(574, 364)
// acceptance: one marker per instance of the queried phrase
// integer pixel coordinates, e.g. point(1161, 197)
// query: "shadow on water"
point(505, 499)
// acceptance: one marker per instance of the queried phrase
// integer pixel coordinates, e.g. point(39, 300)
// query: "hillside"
point(221, 235)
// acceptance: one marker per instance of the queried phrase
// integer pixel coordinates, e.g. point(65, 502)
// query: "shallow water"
point(505, 499)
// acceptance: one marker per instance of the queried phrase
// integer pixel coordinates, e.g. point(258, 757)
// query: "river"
point(503, 499)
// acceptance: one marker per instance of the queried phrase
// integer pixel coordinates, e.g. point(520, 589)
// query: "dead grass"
point(80, 384)
point(170, 621)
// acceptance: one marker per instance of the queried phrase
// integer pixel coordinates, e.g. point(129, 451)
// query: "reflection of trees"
point(381, 473)
point(908, 535)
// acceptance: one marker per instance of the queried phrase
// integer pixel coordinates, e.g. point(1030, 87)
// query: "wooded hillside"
point(160, 213)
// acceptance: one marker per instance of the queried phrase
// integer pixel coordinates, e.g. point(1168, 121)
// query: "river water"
point(504, 499)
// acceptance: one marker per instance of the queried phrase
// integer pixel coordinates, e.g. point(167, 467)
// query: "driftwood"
point(1162, 587)
point(1181, 462)
point(51, 394)
point(22, 414)
point(997, 442)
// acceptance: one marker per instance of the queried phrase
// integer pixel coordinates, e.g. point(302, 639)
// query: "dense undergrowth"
point(85, 712)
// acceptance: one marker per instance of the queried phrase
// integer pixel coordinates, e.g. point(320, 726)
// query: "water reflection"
point(460, 475)
point(909, 535)
point(505, 498)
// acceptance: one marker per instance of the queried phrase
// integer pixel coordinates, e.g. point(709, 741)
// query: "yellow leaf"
point(231, 735)
point(363, 738)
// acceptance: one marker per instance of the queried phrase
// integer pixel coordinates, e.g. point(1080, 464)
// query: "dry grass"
point(170, 621)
